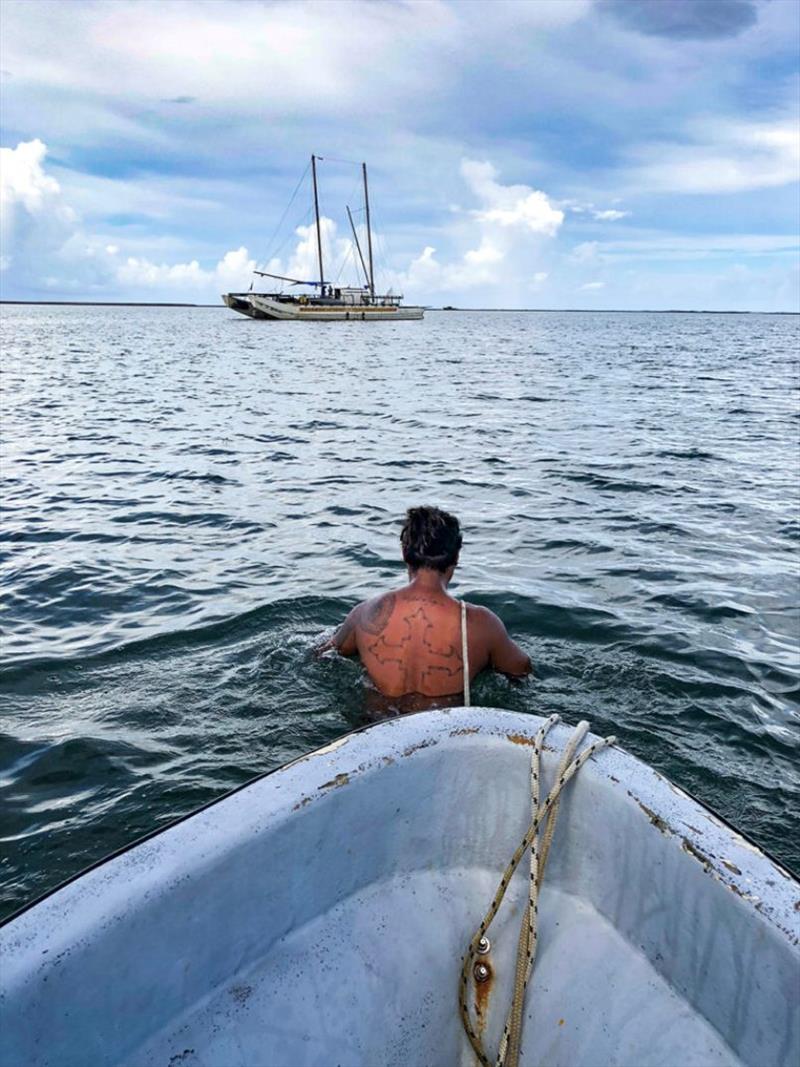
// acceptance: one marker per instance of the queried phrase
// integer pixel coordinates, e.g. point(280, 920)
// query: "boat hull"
point(259, 306)
point(319, 915)
point(239, 302)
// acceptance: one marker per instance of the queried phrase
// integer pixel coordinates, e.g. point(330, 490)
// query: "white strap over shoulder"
point(465, 653)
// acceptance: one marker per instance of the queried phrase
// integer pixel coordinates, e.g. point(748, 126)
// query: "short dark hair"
point(430, 538)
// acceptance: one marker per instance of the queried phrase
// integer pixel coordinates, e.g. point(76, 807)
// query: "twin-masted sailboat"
point(327, 301)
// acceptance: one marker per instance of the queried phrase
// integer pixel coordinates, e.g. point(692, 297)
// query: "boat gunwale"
point(441, 712)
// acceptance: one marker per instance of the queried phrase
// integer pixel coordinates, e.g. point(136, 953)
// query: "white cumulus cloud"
point(232, 272)
point(510, 205)
point(502, 240)
point(47, 252)
point(35, 223)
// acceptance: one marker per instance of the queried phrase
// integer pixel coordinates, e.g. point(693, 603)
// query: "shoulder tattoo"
point(376, 614)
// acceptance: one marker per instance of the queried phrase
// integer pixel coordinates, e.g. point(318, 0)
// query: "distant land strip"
point(110, 303)
point(620, 311)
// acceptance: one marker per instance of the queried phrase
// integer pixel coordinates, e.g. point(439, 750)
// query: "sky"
point(601, 154)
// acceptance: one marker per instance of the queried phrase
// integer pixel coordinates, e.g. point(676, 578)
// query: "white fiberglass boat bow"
point(320, 915)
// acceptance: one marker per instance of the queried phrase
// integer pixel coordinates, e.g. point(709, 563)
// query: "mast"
point(316, 216)
point(358, 246)
point(369, 233)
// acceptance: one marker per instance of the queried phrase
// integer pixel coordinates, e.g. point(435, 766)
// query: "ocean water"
point(191, 499)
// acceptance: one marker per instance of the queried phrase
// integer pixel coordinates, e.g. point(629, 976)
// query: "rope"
point(465, 654)
point(508, 1053)
point(286, 211)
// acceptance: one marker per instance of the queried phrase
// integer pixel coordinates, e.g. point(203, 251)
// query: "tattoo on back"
point(377, 614)
point(444, 660)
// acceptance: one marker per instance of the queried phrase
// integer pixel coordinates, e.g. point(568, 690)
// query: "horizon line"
point(446, 307)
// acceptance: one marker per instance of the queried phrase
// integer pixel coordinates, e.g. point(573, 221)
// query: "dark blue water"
point(191, 498)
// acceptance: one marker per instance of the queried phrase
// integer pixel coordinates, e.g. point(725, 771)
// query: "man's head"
point(430, 538)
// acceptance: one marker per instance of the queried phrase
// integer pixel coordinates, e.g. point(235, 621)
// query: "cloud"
point(594, 285)
point(502, 240)
point(101, 82)
point(510, 205)
point(48, 252)
point(684, 19)
point(233, 272)
point(249, 58)
point(35, 223)
point(599, 214)
point(341, 264)
point(721, 157)
point(47, 249)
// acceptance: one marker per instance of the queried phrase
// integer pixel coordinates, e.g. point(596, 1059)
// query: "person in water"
point(414, 641)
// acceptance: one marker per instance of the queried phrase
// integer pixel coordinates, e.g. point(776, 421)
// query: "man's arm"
point(344, 640)
point(505, 655)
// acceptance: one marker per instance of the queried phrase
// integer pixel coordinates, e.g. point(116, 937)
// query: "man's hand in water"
point(342, 640)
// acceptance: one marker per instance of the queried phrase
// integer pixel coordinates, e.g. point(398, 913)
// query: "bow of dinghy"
point(321, 913)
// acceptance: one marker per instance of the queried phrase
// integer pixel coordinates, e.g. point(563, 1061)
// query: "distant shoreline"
point(109, 303)
point(527, 311)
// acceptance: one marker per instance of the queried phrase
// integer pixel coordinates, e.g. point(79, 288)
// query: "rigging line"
point(303, 220)
point(347, 255)
point(357, 245)
point(356, 186)
point(349, 251)
point(288, 206)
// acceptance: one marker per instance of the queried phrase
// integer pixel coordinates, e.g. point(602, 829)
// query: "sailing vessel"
point(327, 301)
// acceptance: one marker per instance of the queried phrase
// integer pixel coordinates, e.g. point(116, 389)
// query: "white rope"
point(465, 653)
point(569, 765)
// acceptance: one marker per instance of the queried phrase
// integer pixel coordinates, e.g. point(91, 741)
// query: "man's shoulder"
point(478, 611)
point(484, 619)
point(372, 615)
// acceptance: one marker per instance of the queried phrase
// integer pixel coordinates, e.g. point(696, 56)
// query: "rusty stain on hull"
point(483, 992)
point(334, 783)
point(415, 748)
point(687, 846)
point(520, 739)
point(659, 823)
point(731, 866)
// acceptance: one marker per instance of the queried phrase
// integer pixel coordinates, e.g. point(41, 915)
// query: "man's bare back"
point(409, 640)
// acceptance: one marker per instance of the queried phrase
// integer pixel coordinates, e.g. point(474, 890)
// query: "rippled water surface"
point(191, 498)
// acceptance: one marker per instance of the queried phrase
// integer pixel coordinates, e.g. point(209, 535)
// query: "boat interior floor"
point(379, 995)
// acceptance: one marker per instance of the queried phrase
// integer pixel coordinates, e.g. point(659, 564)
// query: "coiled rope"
point(508, 1053)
